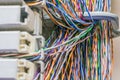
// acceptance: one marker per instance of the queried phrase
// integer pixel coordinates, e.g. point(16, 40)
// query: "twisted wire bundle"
point(78, 49)
point(91, 57)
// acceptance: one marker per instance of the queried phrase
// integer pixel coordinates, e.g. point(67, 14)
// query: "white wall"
point(116, 66)
point(115, 7)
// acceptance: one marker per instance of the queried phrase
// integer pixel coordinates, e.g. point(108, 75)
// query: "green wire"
point(49, 37)
point(99, 57)
point(81, 35)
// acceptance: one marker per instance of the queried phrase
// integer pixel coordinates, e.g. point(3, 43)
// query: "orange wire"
point(54, 20)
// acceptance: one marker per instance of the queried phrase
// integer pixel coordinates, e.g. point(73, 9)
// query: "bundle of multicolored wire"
point(88, 55)
point(78, 49)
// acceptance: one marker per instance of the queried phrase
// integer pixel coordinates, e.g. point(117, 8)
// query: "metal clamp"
point(105, 16)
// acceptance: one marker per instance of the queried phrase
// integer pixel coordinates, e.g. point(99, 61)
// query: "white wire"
point(53, 47)
point(36, 78)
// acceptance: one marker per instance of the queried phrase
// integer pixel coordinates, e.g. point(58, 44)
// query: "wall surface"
point(116, 67)
point(115, 7)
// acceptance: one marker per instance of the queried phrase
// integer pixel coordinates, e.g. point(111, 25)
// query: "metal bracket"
point(106, 16)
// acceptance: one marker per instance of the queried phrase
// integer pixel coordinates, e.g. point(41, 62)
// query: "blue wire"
point(80, 21)
point(35, 58)
point(68, 2)
point(87, 9)
point(109, 5)
point(38, 57)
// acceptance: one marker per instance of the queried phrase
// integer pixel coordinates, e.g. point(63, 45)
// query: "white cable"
point(36, 78)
